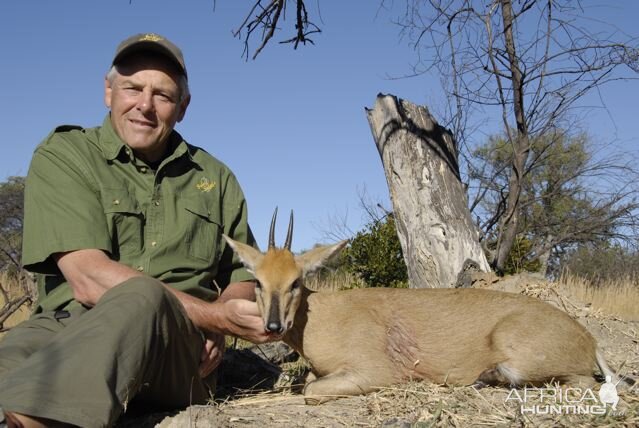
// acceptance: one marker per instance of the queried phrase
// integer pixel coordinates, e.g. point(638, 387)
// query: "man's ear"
point(108, 92)
point(183, 106)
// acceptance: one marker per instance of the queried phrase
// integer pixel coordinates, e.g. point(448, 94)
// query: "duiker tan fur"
point(362, 339)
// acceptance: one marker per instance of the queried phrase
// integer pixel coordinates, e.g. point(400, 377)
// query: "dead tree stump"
point(438, 237)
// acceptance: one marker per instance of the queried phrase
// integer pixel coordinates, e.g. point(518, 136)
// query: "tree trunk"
point(544, 252)
point(521, 147)
point(438, 237)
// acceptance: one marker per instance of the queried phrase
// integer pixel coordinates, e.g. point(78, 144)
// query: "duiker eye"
point(258, 286)
point(296, 285)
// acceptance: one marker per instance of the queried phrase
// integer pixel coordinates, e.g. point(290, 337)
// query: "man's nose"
point(145, 101)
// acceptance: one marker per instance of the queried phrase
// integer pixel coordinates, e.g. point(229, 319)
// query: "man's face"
point(144, 98)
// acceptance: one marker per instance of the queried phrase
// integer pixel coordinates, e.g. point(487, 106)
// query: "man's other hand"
point(212, 353)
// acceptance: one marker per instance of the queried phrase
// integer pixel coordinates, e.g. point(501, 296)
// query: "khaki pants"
point(84, 366)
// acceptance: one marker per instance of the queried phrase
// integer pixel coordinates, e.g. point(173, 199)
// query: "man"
point(123, 225)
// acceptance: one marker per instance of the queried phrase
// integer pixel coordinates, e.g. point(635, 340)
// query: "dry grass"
point(329, 280)
point(13, 287)
point(619, 298)
point(413, 404)
point(428, 405)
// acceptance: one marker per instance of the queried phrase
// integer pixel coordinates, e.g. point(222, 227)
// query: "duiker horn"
point(289, 233)
point(271, 234)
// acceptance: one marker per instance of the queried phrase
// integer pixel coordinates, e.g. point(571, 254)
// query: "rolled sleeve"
point(62, 213)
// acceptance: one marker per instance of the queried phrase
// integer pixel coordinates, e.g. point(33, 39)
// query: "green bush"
point(375, 255)
point(519, 259)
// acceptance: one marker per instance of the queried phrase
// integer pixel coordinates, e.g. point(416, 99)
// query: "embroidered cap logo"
point(150, 37)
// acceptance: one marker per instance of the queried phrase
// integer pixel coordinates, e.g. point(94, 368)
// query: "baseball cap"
point(151, 42)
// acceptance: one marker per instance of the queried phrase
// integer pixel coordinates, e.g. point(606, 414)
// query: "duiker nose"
point(274, 327)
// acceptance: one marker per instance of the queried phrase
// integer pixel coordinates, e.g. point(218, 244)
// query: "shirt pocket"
point(204, 229)
point(125, 220)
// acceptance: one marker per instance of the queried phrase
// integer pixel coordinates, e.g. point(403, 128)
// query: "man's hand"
point(233, 314)
point(242, 318)
point(212, 353)
point(236, 317)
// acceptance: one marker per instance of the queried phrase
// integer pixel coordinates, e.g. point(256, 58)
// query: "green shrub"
point(519, 259)
point(375, 255)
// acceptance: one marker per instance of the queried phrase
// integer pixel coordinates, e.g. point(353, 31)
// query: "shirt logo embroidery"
point(205, 185)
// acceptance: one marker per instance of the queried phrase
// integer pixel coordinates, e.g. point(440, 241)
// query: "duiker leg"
point(334, 386)
point(491, 377)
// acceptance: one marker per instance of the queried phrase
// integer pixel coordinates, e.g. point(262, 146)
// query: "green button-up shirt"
point(85, 189)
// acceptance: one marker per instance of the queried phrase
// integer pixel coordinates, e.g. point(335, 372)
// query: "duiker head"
point(280, 275)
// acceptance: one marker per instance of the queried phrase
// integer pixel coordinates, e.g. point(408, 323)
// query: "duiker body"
point(359, 340)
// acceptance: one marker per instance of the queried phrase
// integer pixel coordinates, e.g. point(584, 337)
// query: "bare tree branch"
point(264, 17)
point(10, 308)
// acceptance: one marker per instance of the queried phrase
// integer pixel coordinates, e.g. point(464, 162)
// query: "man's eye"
point(165, 98)
point(132, 92)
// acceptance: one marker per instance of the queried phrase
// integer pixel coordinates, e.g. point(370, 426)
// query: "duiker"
point(362, 339)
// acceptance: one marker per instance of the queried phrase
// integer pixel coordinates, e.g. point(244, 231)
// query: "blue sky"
point(291, 124)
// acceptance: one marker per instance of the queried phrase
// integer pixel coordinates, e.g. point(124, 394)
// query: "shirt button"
point(153, 244)
point(141, 268)
point(143, 169)
point(116, 202)
point(156, 203)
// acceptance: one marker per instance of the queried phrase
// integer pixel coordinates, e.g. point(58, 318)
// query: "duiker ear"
point(247, 254)
point(313, 259)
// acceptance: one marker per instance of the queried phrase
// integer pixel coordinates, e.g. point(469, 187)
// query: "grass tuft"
point(618, 298)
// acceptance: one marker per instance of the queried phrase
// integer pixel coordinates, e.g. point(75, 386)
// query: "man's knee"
point(142, 300)
point(143, 290)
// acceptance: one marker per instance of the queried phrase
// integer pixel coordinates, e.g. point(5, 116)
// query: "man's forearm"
point(91, 273)
point(208, 316)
